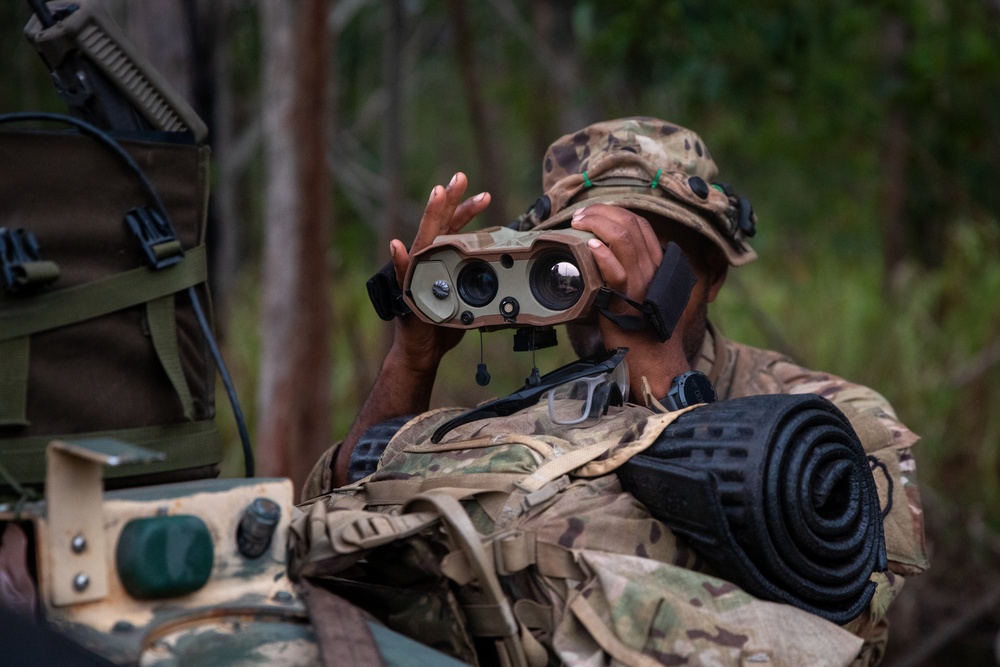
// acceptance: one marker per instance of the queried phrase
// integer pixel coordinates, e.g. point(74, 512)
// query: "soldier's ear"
point(716, 278)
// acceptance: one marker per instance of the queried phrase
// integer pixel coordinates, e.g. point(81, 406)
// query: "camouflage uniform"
point(633, 591)
point(630, 554)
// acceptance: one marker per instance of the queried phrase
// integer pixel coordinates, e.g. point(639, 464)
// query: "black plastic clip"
point(159, 242)
point(385, 293)
point(21, 265)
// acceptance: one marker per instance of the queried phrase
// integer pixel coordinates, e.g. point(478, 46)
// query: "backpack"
point(512, 542)
point(94, 341)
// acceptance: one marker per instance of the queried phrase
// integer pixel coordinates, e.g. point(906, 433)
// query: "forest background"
point(865, 134)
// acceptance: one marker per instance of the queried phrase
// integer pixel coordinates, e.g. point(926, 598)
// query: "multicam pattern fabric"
point(595, 578)
point(642, 164)
point(608, 584)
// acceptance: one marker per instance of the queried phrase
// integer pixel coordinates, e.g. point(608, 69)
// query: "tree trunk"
point(490, 164)
point(228, 233)
point(162, 33)
point(894, 158)
point(553, 26)
point(392, 139)
point(293, 400)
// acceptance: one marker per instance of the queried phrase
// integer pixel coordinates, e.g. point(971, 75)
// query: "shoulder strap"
point(341, 631)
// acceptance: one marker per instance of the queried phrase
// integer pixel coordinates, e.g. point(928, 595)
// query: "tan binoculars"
point(499, 278)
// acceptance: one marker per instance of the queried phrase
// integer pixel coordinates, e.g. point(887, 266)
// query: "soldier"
point(599, 180)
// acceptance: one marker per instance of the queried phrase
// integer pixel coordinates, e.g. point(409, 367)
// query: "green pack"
point(513, 537)
point(94, 342)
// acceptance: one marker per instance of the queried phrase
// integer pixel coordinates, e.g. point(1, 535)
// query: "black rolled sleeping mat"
point(776, 493)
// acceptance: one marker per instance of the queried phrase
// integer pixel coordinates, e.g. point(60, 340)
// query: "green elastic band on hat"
point(586, 180)
point(656, 179)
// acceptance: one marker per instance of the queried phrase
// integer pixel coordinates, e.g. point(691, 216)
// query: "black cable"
point(875, 463)
point(109, 142)
point(227, 382)
point(102, 137)
point(41, 10)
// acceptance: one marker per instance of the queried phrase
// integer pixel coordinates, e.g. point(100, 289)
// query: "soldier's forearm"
point(398, 390)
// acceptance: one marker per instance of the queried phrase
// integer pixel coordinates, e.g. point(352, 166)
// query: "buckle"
point(159, 242)
point(21, 265)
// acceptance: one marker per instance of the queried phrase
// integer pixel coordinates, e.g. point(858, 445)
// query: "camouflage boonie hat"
point(648, 165)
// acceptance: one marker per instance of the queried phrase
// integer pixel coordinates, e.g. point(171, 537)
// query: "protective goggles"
point(603, 381)
point(589, 397)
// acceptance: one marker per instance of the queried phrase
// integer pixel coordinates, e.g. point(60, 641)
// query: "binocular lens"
point(556, 281)
point(477, 284)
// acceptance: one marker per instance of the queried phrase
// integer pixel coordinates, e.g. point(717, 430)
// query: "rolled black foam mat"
point(774, 491)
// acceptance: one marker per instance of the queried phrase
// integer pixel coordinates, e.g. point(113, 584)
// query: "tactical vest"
point(515, 535)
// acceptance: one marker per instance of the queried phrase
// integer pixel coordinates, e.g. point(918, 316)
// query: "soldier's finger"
point(456, 188)
point(468, 210)
point(433, 220)
point(629, 236)
point(620, 238)
point(453, 193)
point(639, 231)
point(400, 259)
point(614, 273)
point(651, 243)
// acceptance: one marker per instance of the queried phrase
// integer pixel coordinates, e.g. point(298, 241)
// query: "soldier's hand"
point(417, 344)
point(628, 254)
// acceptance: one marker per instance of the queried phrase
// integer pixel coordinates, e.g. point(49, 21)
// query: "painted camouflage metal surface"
point(248, 611)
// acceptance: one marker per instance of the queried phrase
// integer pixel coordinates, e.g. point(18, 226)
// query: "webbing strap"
point(464, 537)
point(100, 297)
point(341, 630)
point(162, 319)
point(488, 610)
point(14, 381)
point(353, 531)
point(187, 445)
point(513, 552)
point(534, 615)
point(566, 463)
point(399, 491)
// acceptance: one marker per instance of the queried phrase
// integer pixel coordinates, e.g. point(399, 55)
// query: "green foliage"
point(931, 347)
point(794, 97)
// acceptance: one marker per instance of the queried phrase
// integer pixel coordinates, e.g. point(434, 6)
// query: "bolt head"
point(80, 582)
point(78, 544)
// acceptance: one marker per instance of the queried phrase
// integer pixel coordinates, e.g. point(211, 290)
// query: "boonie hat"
point(648, 165)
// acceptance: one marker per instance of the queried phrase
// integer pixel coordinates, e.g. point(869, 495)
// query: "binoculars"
point(499, 278)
